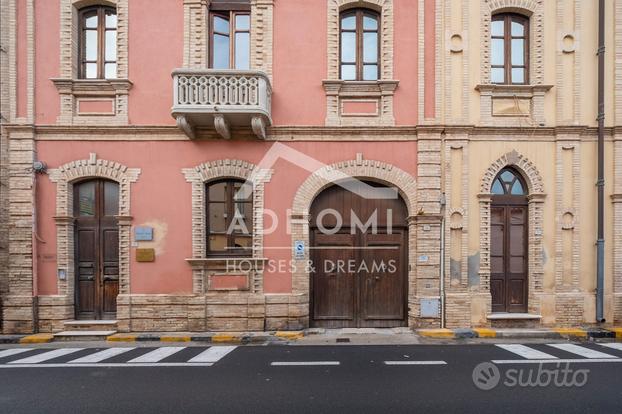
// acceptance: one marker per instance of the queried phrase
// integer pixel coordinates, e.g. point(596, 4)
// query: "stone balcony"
point(221, 99)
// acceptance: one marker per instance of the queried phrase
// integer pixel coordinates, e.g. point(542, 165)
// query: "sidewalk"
point(356, 336)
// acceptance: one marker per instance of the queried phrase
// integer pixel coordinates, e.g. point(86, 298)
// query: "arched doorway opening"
point(96, 237)
point(509, 218)
point(359, 258)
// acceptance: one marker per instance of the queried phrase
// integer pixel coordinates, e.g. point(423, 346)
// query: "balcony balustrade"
point(222, 99)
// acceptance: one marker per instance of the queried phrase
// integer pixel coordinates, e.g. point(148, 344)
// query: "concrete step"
point(83, 335)
point(91, 325)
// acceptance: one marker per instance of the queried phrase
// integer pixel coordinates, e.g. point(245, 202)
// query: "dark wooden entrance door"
point(508, 240)
point(358, 278)
point(96, 203)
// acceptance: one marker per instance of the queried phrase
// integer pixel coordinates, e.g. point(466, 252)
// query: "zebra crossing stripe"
point(46, 356)
point(525, 351)
point(616, 346)
point(213, 354)
point(415, 363)
point(13, 351)
point(581, 351)
point(101, 355)
point(158, 354)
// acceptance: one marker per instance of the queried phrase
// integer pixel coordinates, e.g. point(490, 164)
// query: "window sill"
point(512, 90)
point(512, 105)
point(360, 88)
point(90, 86)
point(227, 263)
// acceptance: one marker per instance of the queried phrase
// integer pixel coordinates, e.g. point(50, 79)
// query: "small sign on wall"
point(145, 255)
point(143, 233)
point(299, 249)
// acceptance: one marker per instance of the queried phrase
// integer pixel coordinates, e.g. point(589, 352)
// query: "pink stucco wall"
point(161, 195)
point(299, 65)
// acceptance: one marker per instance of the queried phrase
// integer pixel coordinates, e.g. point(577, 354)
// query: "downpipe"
point(442, 270)
point(600, 184)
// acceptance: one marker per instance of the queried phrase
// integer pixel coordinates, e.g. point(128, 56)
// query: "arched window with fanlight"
point(359, 45)
point(509, 218)
point(509, 49)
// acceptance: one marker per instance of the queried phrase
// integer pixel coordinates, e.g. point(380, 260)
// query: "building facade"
point(197, 165)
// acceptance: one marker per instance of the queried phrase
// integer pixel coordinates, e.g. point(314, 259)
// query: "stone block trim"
point(198, 176)
point(64, 177)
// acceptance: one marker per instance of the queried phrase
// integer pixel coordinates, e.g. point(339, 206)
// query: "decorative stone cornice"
point(511, 90)
point(92, 86)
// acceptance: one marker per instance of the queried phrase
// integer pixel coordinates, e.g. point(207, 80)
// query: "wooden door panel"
point(382, 284)
point(333, 286)
point(110, 270)
point(86, 267)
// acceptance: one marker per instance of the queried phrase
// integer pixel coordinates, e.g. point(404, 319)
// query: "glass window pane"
point(111, 198)
point(370, 72)
point(370, 23)
point(221, 25)
point(348, 72)
point(518, 52)
point(244, 215)
point(91, 22)
point(241, 242)
point(348, 23)
point(91, 44)
point(497, 28)
point(217, 192)
point(218, 243)
point(517, 189)
point(507, 176)
point(348, 47)
point(243, 191)
point(242, 22)
point(111, 45)
point(370, 47)
point(518, 75)
point(497, 75)
point(221, 52)
point(216, 218)
point(86, 199)
point(497, 52)
point(91, 71)
point(497, 188)
point(111, 20)
point(518, 29)
point(110, 70)
point(242, 50)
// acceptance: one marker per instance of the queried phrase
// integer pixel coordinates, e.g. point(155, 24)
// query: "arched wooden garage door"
point(359, 274)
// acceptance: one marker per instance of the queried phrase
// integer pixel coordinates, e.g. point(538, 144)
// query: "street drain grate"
point(343, 340)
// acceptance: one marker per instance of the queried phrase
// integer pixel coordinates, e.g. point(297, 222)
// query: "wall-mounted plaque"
point(143, 233)
point(145, 255)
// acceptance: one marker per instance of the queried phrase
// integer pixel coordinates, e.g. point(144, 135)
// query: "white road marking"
point(617, 346)
point(213, 354)
point(101, 355)
point(35, 359)
point(581, 351)
point(158, 354)
point(525, 351)
point(111, 365)
point(302, 363)
point(13, 351)
point(553, 361)
point(415, 362)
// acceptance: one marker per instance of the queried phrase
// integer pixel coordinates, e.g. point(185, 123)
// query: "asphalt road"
point(313, 379)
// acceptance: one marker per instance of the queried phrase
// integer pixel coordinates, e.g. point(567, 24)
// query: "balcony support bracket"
point(184, 124)
point(259, 127)
point(222, 126)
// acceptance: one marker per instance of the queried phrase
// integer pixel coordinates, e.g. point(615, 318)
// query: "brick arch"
point(326, 176)
point(364, 169)
point(514, 159)
point(536, 199)
point(212, 170)
point(64, 177)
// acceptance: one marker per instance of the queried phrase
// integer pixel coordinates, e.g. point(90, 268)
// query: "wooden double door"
point(508, 254)
point(96, 205)
point(358, 278)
